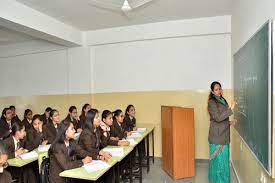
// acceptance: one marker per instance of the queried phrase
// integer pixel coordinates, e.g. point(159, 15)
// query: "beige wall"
point(247, 166)
point(148, 105)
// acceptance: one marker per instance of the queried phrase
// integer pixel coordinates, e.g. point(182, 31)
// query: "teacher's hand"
point(232, 105)
point(233, 122)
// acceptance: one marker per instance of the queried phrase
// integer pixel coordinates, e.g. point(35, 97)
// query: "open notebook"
point(116, 152)
point(29, 155)
point(141, 129)
point(131, 141)
point(44, 148)
point(95, 165)
point(135, 135)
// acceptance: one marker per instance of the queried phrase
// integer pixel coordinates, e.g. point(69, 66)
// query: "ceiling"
point(8, 37)
point(82, 15)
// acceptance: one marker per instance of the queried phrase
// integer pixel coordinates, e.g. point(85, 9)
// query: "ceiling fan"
point(124, 7)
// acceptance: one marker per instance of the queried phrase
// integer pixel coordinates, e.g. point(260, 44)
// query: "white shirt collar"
point(55, 125)
point(9, 123)
point(67, 144)
point(15, 142)
point(104, 126)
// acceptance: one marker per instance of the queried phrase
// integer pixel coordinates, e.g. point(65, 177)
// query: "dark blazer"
point(5, 177)
point(60, 160)
point(26, 123)
point(118, 131)
point(16, 119)
point(130, 123)
point(106, 139)
point(90, 143)
point(219, 131)
point(49, 132)
point(11, 146)
point(28, 173)
point(4, 128)
point(44, 119)
point(81, 122)
point(33, 139)
point(74, 121)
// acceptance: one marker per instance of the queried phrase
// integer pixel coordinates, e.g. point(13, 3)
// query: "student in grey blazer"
point(219, 134)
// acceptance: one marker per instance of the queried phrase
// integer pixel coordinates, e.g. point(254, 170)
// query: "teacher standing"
point(219, 135)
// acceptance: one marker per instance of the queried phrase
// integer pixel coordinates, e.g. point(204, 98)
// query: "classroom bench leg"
point(117, 175)
point(114, 174)
point(153, 147)
point(131, 167)
point(148, 153)
point(140, 168)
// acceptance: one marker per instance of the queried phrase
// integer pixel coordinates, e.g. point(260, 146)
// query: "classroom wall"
point(151, 73)
point(184, 63)
point(45, 72)
point(248, 16)
point(148, 73)
point(38, 74)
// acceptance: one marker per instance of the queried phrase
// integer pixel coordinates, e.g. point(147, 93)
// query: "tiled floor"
point(157, 175)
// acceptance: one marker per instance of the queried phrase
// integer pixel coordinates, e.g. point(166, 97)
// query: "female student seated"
point(118, 128)
point(51, 128)
point(5, 176)
point(107, 121)
point(73, 117)
point(90, 138)
point(130, 122)
point(35, 136)
point(82, 117)
point(5, 123)
point(15, 148)
point(129, 118)
point(46, 116)
point(62, 153)
point(27, 119)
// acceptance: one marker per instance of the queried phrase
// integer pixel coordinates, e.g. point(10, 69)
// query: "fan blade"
point(103, 4)
point(139, 3)
point(117, 11)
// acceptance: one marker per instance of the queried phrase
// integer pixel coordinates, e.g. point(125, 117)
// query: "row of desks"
point(81, 173)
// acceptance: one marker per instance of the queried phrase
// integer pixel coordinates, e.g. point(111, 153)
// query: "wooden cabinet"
point(178, 148)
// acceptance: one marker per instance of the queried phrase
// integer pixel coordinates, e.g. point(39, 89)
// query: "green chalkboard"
point(253, 93)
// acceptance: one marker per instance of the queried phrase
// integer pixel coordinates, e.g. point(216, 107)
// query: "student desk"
point(126, 151)
point(146, 135)
point(18, 162)
point(80, 173)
